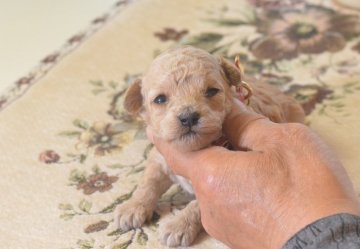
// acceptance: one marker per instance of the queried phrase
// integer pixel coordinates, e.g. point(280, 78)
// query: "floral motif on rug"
point(309, 49)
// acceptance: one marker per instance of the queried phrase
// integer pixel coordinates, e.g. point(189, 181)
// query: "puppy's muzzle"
point(189, 119)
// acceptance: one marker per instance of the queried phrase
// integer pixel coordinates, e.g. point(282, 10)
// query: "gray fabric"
point(340, 231)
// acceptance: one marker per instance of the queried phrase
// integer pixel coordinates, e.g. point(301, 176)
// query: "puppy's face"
point(184, 97)
point(189, 110)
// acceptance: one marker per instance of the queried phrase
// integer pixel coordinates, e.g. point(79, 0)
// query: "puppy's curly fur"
point(184, 97)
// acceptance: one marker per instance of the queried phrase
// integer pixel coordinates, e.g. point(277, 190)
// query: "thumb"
point(186, 164)
point(243, 127)
point(178, 161)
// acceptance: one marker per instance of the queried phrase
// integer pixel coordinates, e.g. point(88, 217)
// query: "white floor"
point(31, 29)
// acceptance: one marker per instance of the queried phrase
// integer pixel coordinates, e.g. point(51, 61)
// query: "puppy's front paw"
point(132, 215)
point(178, 231)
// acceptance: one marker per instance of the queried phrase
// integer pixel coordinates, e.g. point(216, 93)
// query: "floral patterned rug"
point(69, 153)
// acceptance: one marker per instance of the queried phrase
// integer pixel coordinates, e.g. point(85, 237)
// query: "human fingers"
point(194, 163)
point(178, 161)
point(244, 128)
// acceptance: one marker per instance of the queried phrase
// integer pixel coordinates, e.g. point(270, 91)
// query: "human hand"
point(284, 178)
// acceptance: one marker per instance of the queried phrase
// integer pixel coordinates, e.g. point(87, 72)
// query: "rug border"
point(18, 88)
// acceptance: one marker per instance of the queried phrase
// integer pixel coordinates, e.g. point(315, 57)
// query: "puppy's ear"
point(133, 99)
point(232, 73)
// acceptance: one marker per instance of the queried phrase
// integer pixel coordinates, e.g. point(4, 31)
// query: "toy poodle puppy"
point(184, 97)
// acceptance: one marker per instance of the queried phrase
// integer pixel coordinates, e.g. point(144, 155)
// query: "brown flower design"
point(2, 102)
point(97, 182)
point(356, 47)
point(50, 58)
point(104, 138)
point(76, 38)
point(170, 34)
point(308, 96)
point(49, 156)
point(100, 19)
point(312, 30)
point(25, 81)
point(274, 4)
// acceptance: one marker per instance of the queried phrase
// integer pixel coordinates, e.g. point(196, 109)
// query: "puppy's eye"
point(211, 91)
point(161, 99)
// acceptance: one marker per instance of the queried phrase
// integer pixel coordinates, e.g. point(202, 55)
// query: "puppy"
point(184, 97)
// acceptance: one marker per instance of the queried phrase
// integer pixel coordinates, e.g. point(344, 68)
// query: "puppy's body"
point(184, 97)
point(272, 103)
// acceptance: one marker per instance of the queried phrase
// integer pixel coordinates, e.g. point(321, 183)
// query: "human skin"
point(281, 178)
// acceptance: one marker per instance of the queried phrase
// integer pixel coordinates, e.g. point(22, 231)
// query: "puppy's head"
point(184, 96)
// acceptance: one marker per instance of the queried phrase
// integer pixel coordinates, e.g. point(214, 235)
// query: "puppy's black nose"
point(189, 119)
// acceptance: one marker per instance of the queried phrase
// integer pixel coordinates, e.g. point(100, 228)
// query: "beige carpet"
point(69, 154)
point(31, 29)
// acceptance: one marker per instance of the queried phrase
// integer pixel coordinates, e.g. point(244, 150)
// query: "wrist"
point(334, 231)
point(297, 218)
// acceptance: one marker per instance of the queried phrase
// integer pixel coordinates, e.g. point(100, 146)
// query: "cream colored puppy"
point(184, 98)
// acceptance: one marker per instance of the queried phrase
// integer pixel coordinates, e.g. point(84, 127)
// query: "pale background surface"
point(30, 30)
point(52, 185)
